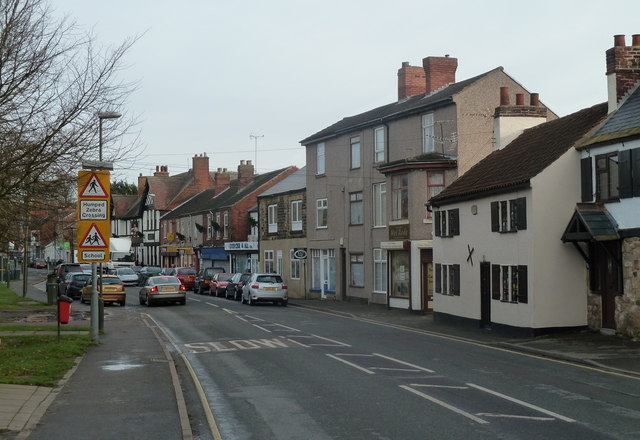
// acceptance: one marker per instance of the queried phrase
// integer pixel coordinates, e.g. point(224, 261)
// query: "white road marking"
point(288, 328)
point(520, 402)
point(194, 299)
point(212, 305)
point(231, 312)
point(331, 340)
point(261, 328)
point(404, 363)
point(445, 405)
point(513, 416)
point(424, 385)
point(351, 364)
point(408, 370)
point(296, 342)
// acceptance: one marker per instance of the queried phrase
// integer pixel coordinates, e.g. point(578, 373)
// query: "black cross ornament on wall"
point(470, 257)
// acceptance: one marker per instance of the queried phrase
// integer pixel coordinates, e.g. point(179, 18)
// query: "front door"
point(611, 284)
point(485, 294)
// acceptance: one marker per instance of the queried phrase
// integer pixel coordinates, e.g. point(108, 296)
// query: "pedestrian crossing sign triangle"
point(93, 239)
point(93, 189)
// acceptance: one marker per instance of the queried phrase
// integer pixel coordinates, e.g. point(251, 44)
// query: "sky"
point(248, 79)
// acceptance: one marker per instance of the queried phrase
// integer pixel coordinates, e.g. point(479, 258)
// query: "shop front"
point(243, 255)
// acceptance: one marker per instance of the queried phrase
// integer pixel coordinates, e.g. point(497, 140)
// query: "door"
point(427, 286)
point(485, 294)
point(611, 284)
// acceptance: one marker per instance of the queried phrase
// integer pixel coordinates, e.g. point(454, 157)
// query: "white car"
point(128, 276)
point(265, 287)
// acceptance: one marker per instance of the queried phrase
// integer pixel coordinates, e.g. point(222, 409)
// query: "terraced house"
point(369, 177)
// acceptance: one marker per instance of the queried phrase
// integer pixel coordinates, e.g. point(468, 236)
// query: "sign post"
point(94, 229)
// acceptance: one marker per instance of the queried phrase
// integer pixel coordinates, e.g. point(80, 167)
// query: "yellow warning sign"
point(94, 184)
point(93, 238)
point(94, 220)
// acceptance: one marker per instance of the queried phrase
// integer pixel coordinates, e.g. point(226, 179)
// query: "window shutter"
point(454, 222)
point(624, 174)
point(635, 172)
point(521, 206)
point(523, 296)
point(586, 179)
point(456, 280)
point(495, 281)
point(438, 279)
point(495, 218)
point(436, 223)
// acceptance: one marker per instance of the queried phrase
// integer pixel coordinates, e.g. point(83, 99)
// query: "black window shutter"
point(521, 206)
point(454, 222)
point(456, 280)
point(523, 295)
point(495, 281)
point(436, 222)
point(624, 174)
point(438, 279)
point(586, 179)
point(495, 219)
point(635, 172)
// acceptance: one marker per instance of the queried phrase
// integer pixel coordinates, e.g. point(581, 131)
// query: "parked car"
point(73, 283)
point(235, 285)
point(265, 287)
point(204, 279)
point(127, 275)
point(63, 269)
point(39, 263)
point(186, 275)
point(146, 272)
point(163, 288)
point(86, 267)
point(218, 284)
point(112, 290)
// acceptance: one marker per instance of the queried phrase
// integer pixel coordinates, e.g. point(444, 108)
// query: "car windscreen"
point(152, 269)
point(110, 281)
point(125, 272)
point(225, 277)
point(81, 278)
point(269, 279)
point(186, 271)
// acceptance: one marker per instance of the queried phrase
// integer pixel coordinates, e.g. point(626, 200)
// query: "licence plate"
point(270, 288)
point(167, 289)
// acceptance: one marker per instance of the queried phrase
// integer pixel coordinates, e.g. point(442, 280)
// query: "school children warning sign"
point(94, 220)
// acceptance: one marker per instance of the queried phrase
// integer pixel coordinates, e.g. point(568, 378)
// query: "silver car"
point(127, 275)
point(163, 288)
point(265, 287)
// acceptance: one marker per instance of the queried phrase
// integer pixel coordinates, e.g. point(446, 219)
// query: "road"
point(272, 372)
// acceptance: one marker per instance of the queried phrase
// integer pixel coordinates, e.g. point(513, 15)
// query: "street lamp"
point(101, 116)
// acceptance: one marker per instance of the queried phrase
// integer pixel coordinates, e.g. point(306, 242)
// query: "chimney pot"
point(504, 95)
point(519, 98)
point(242, 162)
point(618, 40)
point(535, 99)
point(248, 162)
point(635, 40)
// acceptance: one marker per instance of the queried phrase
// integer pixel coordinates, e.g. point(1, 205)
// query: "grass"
point(37, 359)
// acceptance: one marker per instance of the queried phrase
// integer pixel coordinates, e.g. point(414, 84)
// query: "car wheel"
point(123, 302)
point(141, 301)
point(148, 301)
point(284, 303)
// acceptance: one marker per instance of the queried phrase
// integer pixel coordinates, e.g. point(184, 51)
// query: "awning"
point(590, 222)
point(214, 254)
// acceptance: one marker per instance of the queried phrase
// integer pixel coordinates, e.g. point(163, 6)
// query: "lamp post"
point(97, 305)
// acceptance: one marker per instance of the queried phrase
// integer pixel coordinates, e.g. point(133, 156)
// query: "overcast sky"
point(214, 72)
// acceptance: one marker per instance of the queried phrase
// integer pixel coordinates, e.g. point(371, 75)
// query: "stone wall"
point(628, 305)
point(594, 311)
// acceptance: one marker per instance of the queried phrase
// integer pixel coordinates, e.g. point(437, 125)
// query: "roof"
point(208, 201)
point(524, 158)
point(423, 160)
point(590, 222)
point(295, 182)
point(623, 123)
point(395, 110)
point(122, 205)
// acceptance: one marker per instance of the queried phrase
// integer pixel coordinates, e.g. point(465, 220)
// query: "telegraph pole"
point(255, 158)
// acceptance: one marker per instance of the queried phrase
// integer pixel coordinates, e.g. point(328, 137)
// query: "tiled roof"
point(395, 110)
point(524, 158)
point(295, 182)
point(122, 204)
point(623, 123)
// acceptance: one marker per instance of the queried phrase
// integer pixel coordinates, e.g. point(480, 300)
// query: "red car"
point(218, 285)
point(186, 275)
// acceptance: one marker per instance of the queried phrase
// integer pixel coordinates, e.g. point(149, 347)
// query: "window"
point(509, 283)
point(357, 270)
point(379, 204)
point(509, 216)
point(355, 202)
point(279, 266)
point(447, 223)
point(217, 227)
point(323, 270)
point(254, 223)
point(428, 134)
point(295, 266)
point(272, 218)
point(400, 196)
point(607, 177)
point(400, 274)
point(629, 173)
point(296, 215)
point(268, 262)
point(225, 229)
point(447, 279)
point(355, 152)
point(378, 144)
point(320, 158)
point(321, 213)
point(435, 184)
point(209, 225)
point(380, 270)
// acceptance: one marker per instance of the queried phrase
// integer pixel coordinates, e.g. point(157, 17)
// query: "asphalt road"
point(272, 372)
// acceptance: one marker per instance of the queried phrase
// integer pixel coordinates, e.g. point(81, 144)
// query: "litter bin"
point(52, 292)
point(64, 309)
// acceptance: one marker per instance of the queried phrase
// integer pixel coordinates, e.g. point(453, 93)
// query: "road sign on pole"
point(94, 219)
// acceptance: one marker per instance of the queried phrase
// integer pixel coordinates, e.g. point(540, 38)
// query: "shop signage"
point(399, 232)
point(241, 246)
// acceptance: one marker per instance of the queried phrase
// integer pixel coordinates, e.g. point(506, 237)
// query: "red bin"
point(64, 309)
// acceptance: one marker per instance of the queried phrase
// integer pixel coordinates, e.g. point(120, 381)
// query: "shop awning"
point(590, 222)
point(214, 254)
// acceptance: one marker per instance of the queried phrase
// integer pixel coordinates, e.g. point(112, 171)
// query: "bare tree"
point(53, 81)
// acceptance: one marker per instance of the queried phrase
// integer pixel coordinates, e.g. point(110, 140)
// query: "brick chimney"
point(222, 180)
point(411, 81)
point(141, 181)
point(201, 172)
point(509, 121)
point(623, 69)
point(245, 172)
point(439, 71)
point(161, 171)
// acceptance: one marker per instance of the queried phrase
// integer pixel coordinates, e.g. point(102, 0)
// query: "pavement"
point(131, 376)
